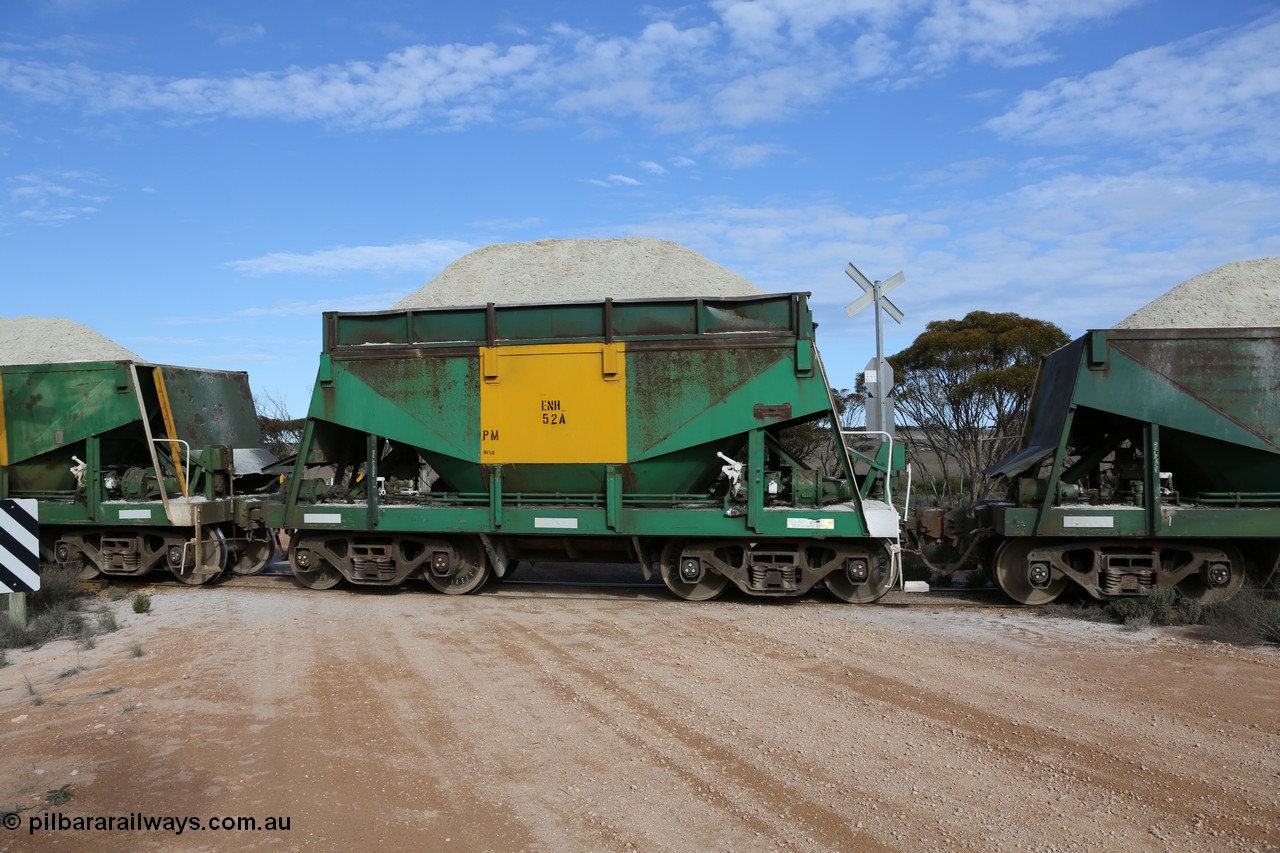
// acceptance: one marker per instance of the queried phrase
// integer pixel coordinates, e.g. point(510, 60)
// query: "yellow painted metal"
point(553, 403)
point(170, 428)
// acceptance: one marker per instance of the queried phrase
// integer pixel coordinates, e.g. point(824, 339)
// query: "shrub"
point(1247, 619)
point(142, 603)
point(1089, 611)
point(1140, 611)
point(62, 619)
point(57, 584)
point(58, 796)
point(107, 622)
point(1190, 611)
point(52, 611)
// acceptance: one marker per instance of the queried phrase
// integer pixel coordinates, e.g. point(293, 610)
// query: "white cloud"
point(739, 62)
point(53, 199)
point(1004, 32)
point(745, 156)
point(728, 151)
point(451, 84)
point(232, 34)
point(614, 181)
point(426, 255)
point(1080, 250)
point(1213, 96)
point(773, 93)
point(652, 167)
point(766, 22)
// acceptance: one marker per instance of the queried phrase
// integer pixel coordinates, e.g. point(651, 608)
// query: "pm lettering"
point(552, 414)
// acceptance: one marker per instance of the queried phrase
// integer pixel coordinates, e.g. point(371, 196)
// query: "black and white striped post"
point(19, 554)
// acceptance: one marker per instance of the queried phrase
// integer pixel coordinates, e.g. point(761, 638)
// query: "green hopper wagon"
point(136, 466)
point(1151, 458)
point(449, 443)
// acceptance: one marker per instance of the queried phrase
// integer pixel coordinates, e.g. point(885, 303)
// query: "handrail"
point(186, 470)
point(888, 465)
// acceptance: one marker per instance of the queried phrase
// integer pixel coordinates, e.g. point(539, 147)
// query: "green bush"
point(1140, 611)
point(142, 603)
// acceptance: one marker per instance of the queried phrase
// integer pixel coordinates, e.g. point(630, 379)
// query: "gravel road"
point(529, 718)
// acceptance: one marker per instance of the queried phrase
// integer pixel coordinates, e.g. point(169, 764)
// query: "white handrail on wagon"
point(895, 548)
point(186, 467)
point(888, 496)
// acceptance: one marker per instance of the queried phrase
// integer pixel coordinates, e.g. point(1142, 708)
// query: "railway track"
point(583, 582)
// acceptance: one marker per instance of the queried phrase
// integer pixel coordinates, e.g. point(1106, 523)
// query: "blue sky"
point(198, 181)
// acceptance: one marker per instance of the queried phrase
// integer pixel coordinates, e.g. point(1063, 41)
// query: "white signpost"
point(879, 374)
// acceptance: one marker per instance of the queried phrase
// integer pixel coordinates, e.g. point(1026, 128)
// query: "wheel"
point(311, 570)
point(1012, 575)
point(472, 574)
point(85, 569)
point(707, 584)
point(201, 563)
point(843, 584)
point(1220, 582)
point(250, 556)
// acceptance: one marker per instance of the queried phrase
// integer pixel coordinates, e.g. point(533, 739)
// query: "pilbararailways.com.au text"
point(139, 822)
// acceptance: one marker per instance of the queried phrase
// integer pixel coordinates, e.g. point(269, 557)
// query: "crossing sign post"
point(879, 375)
point(19, 553)
point(19, 545)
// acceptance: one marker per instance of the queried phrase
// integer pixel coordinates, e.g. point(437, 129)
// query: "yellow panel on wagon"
point(553, 403)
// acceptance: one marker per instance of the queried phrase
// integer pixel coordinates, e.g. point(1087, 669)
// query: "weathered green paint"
point(1200, 404)
point(702, 377)
point(55, 414)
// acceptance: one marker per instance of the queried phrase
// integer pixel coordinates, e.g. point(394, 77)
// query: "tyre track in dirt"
point(619, 728)
point(372, 713)
point(793, 808)
point(528, 723)
point(1103, 766)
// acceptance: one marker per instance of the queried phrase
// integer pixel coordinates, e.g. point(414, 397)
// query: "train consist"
point(451, 444)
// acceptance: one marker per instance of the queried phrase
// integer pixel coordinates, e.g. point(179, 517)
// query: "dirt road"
point(537, 719)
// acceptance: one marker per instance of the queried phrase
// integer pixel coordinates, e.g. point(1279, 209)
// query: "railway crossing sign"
point(879, 375)
point(874, 291)
point(19, 546)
